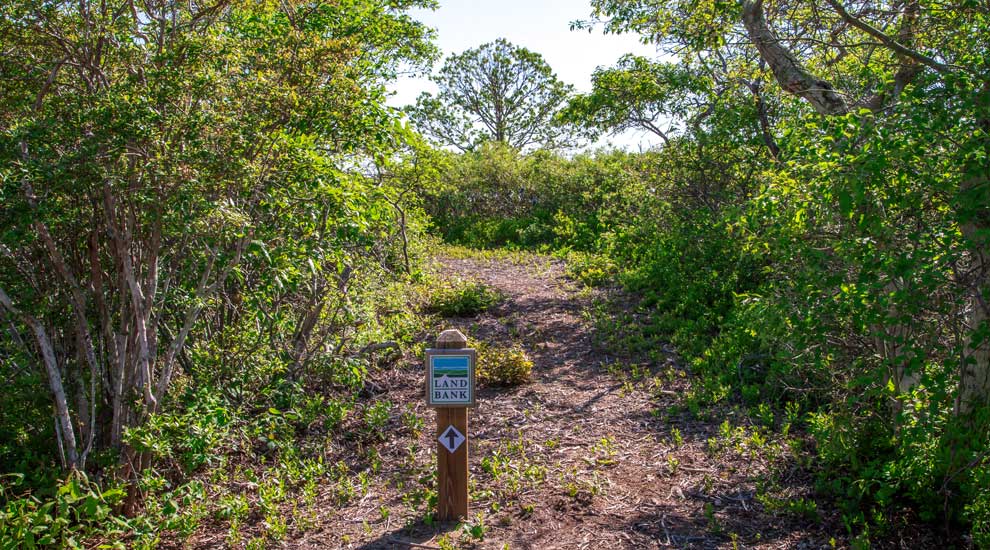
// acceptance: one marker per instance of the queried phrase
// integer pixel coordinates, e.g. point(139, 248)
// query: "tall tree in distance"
point(496, 92)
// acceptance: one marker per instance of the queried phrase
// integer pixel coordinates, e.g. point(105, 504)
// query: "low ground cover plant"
point(503, 366)
point(457, 297)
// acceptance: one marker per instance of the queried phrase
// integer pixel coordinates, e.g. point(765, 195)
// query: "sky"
point(542, 26)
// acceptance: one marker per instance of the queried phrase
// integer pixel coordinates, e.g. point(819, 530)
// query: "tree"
point(496, 92)
point(638, 93)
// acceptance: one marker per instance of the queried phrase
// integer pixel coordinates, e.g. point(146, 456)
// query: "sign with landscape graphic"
point(450, 377)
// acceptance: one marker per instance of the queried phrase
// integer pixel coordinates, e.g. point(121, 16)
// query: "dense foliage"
point(206, 211)
point(770, 307)
point(189, 230)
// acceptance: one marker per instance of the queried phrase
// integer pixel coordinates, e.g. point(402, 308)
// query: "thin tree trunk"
point(121, 237)
point(67, 440)
point(756, 88)
point(117, 391)
point(891, 342)
point(974, 375)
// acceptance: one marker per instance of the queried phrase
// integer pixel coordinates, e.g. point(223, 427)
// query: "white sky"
point(542, 26)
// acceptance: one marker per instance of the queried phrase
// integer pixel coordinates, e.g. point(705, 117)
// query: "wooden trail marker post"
point(450, 390)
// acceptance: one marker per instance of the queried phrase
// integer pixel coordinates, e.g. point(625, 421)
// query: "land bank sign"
point(450, 378)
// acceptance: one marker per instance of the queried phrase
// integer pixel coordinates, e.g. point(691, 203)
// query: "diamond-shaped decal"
point(451, 439)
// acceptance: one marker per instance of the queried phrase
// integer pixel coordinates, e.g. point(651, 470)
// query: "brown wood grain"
point(452, 468)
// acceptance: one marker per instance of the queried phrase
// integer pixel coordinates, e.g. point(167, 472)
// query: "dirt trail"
point(580, 457)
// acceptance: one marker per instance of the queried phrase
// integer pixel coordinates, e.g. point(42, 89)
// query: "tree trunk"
point(974, 208)
point(974, 374)
point(66, 431)
point(890, 343)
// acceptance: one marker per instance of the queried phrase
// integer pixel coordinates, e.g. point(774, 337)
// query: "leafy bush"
point(497, 197)
point(500, 366)
point(78, 509)
point(590, 269)
point(376, 418)
point(483, 233)
point(459, 298)
point(978, 509)
point(189, 435)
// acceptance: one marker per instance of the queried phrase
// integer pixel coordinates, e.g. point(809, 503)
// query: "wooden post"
point(452, 467)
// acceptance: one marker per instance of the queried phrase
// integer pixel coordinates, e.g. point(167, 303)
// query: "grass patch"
point(513, 256)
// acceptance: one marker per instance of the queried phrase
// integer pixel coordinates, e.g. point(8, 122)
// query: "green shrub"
point(978, 509)
point(511, 232)
point(499, 366)
point(461, 298)
point(376, 418)
point(78, 510)
point(497, 197)
point(590, 269)
point(190, 435)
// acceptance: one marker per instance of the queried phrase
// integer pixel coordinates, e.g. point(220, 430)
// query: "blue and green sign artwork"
point(450, 378)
